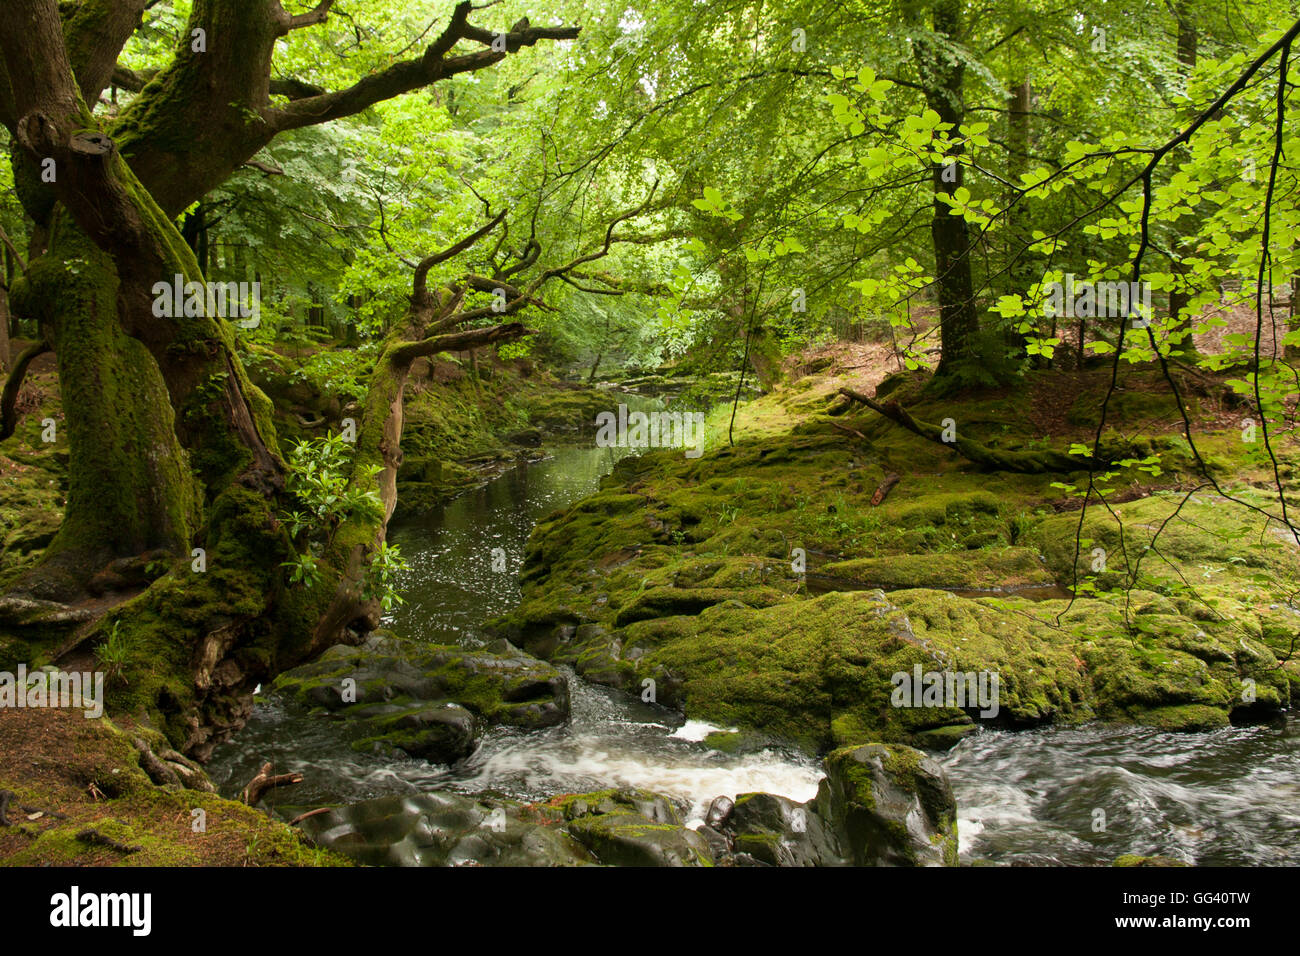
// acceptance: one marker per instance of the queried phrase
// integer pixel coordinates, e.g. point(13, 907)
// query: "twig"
point(310, 813)
point(265, 781)
point(95, 838)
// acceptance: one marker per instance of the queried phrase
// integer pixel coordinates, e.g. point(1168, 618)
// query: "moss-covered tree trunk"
point(130, 486)
point(172, 446)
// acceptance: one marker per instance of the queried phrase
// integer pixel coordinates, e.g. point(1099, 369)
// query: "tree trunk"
point(1020, 274)
point(4, 327)
point(130, 485)
point(942, 76)
point(1180, 322)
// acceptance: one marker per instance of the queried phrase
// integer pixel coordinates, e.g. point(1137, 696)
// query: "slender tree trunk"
point(942, 76)
point(1020, 274)
point(4, 327)
point(1292, 352)
point(1180, 321)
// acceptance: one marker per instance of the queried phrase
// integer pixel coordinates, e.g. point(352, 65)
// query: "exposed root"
point(265, 781)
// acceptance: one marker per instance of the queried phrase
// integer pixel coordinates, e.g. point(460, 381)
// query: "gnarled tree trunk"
point(172, 446)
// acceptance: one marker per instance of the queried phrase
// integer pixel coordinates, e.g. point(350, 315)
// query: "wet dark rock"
point(719, 811)
point(780, 832)
point(890, 805)
point(879, 806)
point(439, 733)
point(615, 827)
point(443, 829)
point(429, 701)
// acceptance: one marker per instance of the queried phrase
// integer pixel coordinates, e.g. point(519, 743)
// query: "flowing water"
point(1229, 797)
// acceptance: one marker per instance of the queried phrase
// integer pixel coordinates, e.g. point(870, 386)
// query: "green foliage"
point(380, 582)
point(321, 480)
point(113, 654)
point(330, 490)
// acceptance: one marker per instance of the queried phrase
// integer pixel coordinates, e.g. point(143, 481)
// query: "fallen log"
point(885, 487)
point(991, 459)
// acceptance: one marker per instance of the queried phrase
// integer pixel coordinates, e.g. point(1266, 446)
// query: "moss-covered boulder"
point(437, 731)
point(633, 828)
point(744, 587)
point(776, 831)
point(429, 701)
point(997, 569)
point(891, 805)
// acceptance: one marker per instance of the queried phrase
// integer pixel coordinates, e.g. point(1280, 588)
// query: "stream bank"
point(1023, 796)
point(685, 567)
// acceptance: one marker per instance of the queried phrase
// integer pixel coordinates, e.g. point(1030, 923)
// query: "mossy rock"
point(439, 732)
point(426, 699)
point(634, 828)
point(892, 805)
point(821, 672)
point(777, 831)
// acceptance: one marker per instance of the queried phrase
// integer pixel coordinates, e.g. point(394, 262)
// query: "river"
point(1030, 798)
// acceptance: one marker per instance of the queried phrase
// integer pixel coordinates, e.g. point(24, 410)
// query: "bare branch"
point(603, 250)
point(408, 75)
point(284, 22)
point(265, 168)
point(991, 459)
point(420, 294)
point(9, 398)
point(13, 250)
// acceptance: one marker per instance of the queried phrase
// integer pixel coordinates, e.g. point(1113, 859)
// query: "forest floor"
point(78, 797)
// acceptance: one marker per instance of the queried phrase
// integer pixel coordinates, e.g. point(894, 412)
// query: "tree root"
point(265, 781)
point(169, 769)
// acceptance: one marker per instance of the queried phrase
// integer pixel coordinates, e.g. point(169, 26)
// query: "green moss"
point(98, 785)
point(997, 568)
point(684, 572)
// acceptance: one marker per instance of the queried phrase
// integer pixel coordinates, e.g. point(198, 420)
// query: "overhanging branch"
point(408, 75)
